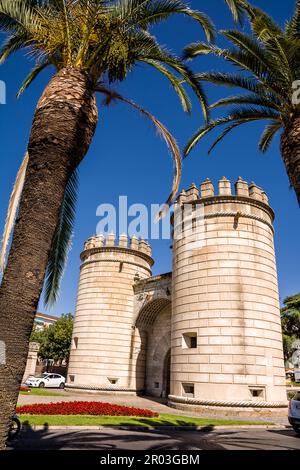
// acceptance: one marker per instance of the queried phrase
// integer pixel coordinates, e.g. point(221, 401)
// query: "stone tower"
point(101, 351)
point(226, 344)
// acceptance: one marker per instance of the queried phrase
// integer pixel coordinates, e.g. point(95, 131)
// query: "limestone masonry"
point(206, 335)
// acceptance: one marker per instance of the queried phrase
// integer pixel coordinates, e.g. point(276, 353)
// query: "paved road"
point(208, 439)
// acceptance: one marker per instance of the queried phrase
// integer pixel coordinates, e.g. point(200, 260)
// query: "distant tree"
point(55, 341)
point(290, 319)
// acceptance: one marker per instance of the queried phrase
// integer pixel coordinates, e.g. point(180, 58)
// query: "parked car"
point(294, 412)
point(47, 380)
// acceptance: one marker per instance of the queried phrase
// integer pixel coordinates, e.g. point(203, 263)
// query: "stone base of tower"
point(84, 389)
point(230, 409)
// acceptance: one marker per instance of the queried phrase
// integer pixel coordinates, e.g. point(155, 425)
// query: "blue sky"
point(127, 158)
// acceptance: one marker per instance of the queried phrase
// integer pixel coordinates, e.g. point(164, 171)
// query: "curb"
point(154, 428)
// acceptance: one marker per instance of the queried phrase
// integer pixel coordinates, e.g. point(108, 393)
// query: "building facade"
point(33, 364)
point(43, 320)
point(207, 334)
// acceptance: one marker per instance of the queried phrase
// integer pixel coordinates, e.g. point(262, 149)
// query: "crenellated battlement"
point(208, 190)
point(124, 242)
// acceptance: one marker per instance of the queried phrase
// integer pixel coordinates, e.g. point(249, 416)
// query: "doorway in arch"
point(154, 328)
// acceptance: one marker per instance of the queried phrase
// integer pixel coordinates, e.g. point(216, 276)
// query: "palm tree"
point(268, 60)
point(90, 45)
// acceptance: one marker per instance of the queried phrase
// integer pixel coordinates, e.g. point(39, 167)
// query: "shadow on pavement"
point(208, 438)
point(110, 439)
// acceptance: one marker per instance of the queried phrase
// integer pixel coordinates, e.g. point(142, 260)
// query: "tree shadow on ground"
point(110, 439)
point(286, 432)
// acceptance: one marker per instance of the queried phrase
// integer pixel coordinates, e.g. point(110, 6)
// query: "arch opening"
point(153, 326)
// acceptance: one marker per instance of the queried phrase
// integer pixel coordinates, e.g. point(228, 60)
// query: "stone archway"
point(151, 335)
point(154, 327)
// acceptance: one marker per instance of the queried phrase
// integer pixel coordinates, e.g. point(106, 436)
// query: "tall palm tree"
point(90, 44)
point(268, 59)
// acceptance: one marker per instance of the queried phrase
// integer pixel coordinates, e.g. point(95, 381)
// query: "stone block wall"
point(225, 293)
point(101, 353)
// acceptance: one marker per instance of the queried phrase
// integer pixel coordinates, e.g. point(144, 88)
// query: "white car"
point(294, 412)
point(48, 380)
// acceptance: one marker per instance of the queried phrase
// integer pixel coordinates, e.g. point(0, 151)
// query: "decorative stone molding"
point(149, 311)
point(96, 388)
point(224, 403)
point(151, 295)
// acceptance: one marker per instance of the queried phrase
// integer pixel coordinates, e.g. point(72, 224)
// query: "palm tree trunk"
point(63, 127)
point(290, 151)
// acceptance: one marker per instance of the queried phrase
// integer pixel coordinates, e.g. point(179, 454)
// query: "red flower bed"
point(84, 408)
point(24, 389)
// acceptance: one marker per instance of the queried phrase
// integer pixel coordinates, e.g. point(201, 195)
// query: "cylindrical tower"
point(103, 337)
point(226, 330)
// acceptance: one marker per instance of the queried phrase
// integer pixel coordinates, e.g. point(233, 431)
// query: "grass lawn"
point(46, 392)
point(161, 420)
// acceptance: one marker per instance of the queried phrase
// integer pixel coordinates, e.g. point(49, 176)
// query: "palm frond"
point(68, 34)
point(197, 88)
point(12, 210)
point(195, 85)
point(244, 62)
point(253, 112)
point(263, 25)
point(269, 101)
point(236, 57)
point(162, 130)
point(146, 13)
point(236, 116)
point(237, 10)
point(202, 132)
point(61, 242)
point(268, 60)
point(183, 96)
point(150, 50)
point(16, 13)
point(292, 28)
point(223, 134)
point(104, 38)
point(230, 80)
point(32, 75)
point(254, 49)
point(269, 133)
point(171, 143)
point(12, 44)
point(283, 53)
